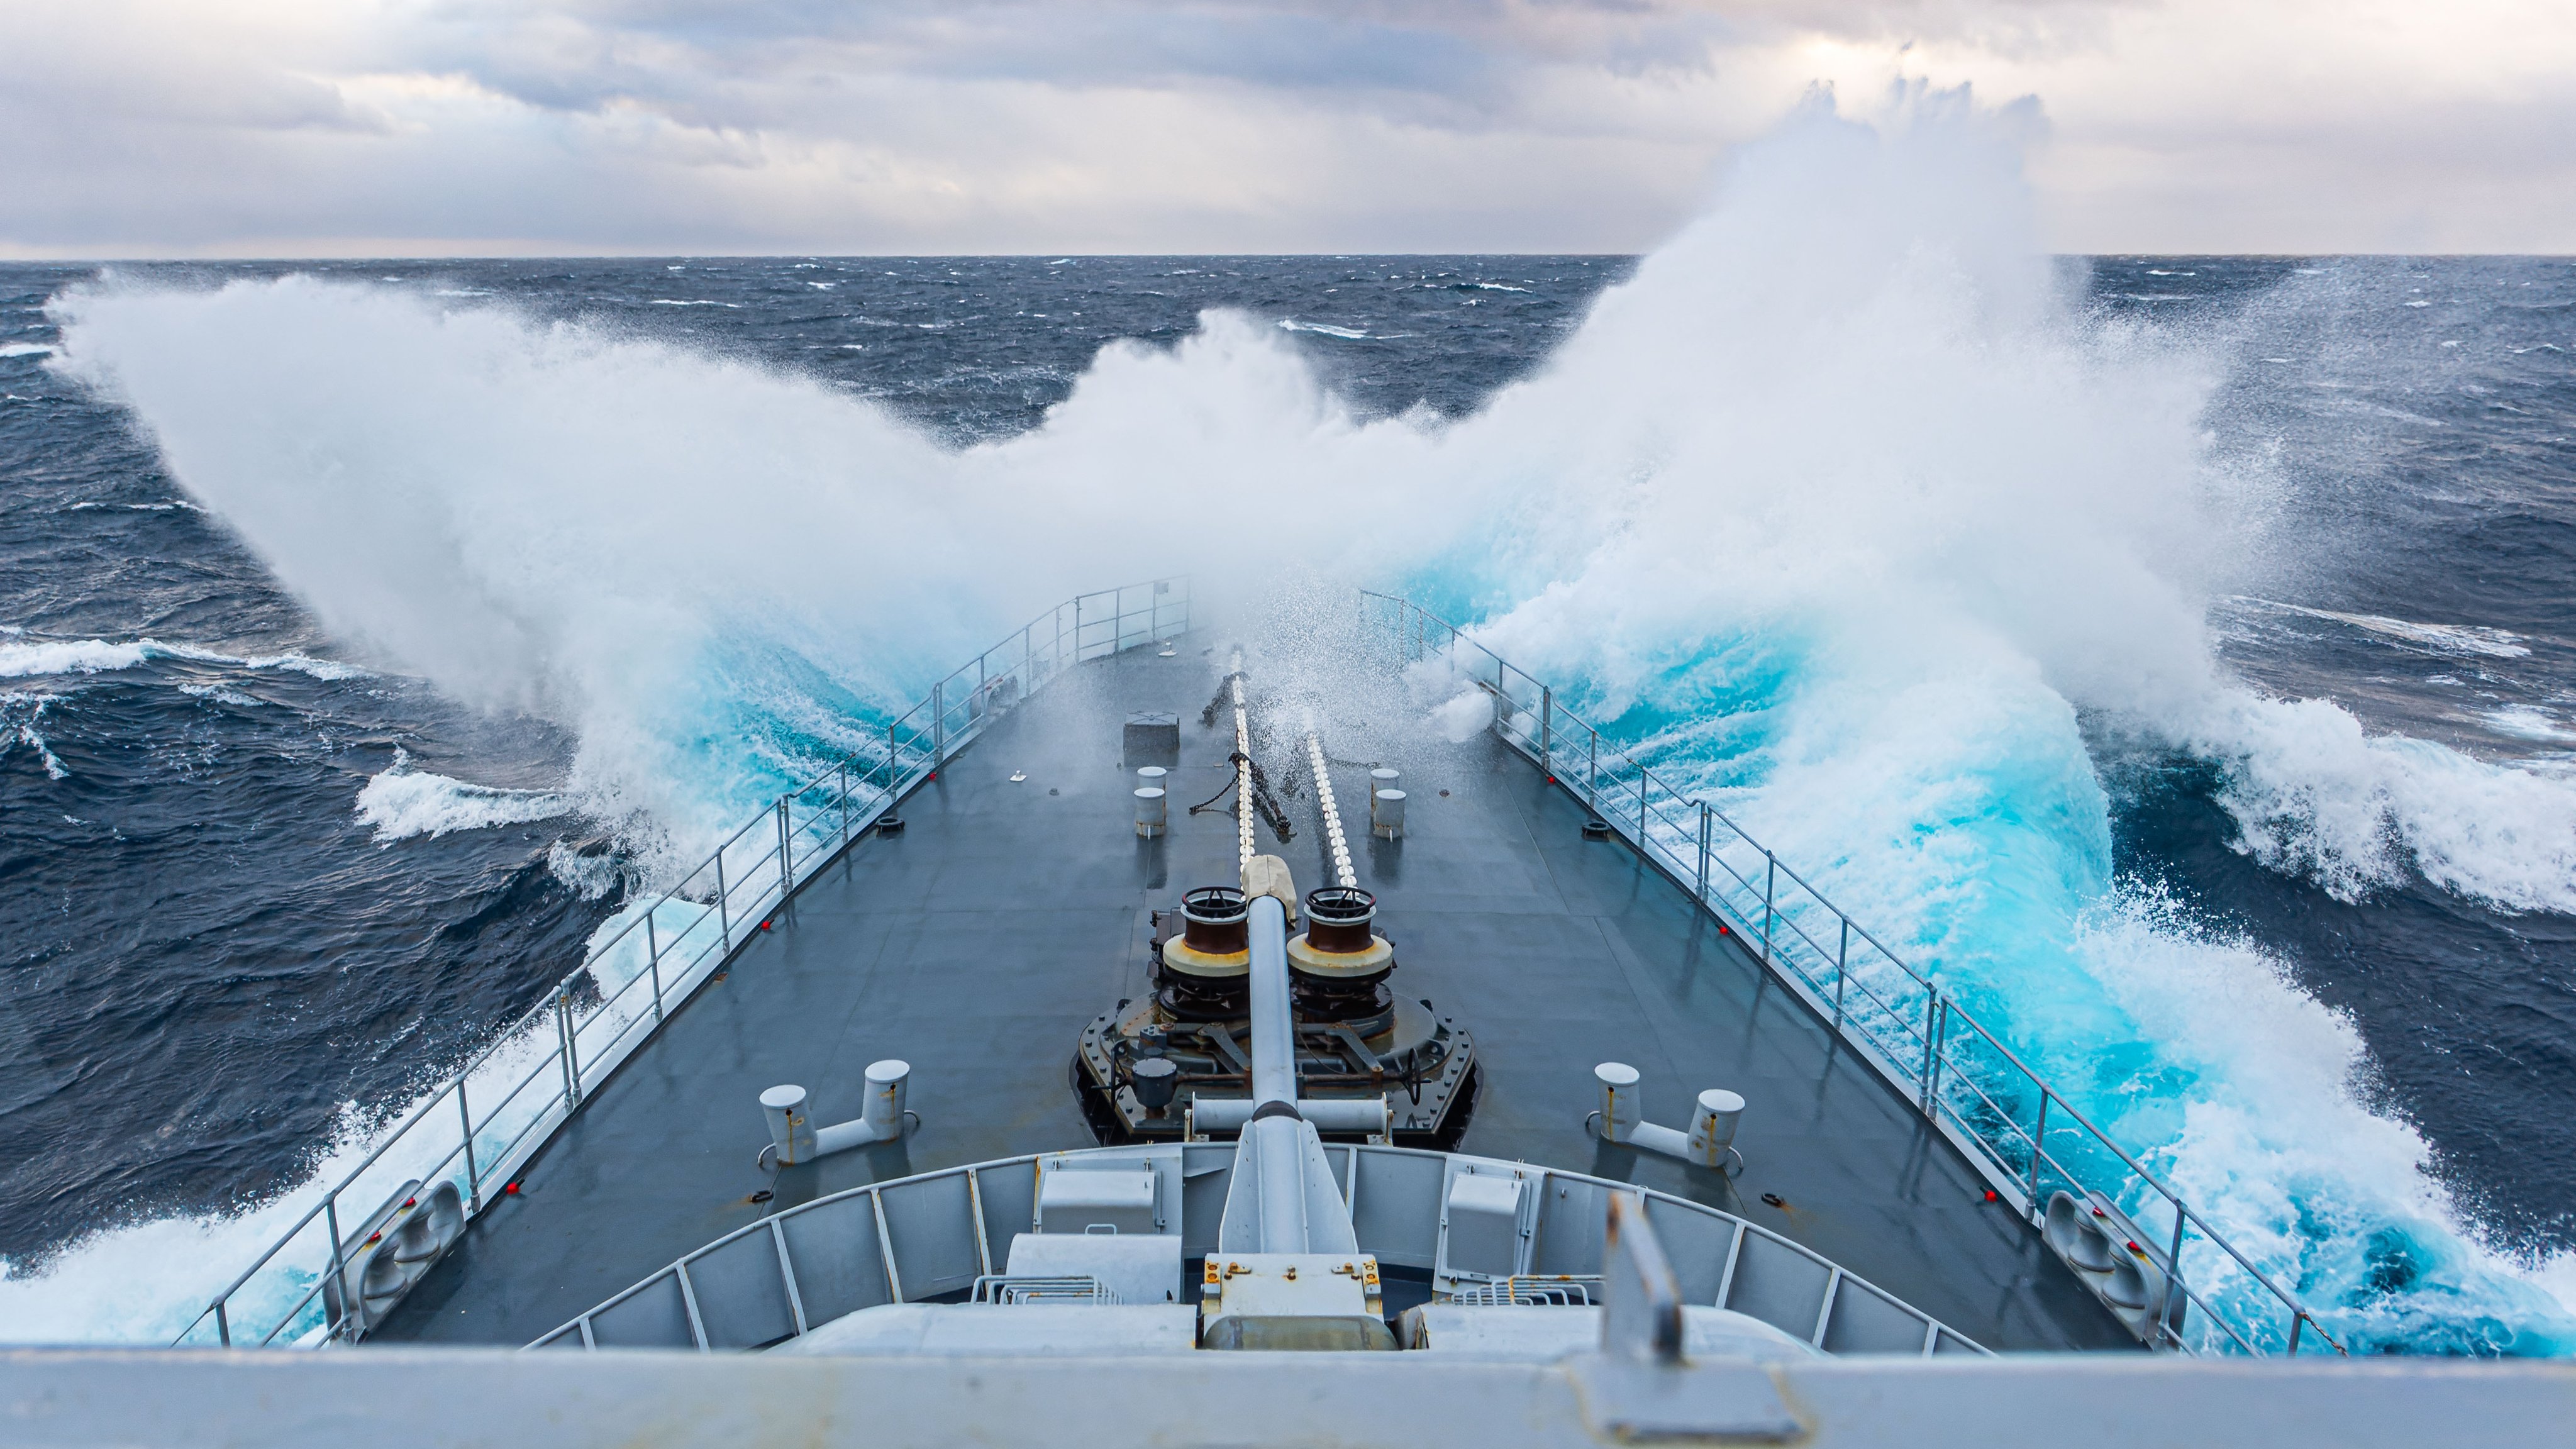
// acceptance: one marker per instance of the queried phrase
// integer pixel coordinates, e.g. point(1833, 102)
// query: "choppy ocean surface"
point(282, 834)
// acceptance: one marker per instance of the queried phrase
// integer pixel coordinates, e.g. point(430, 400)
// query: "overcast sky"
point(430, 127)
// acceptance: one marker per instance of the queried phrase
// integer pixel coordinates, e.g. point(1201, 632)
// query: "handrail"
point(751, 1277)
point(689, 931)
point(1935, 1070)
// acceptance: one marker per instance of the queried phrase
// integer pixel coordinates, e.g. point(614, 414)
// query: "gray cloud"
point(431, 126)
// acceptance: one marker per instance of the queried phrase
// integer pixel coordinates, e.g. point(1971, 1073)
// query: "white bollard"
point(1619, 1100)
point(1384, 778)
point(789, 1137)
point(1150, 777)
point(1386, 815)
point(1712, 1134)
point(884, 1110)
point(1152, 813)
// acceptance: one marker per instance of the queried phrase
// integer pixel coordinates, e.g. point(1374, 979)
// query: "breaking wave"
point(1839, 509)
point(403, 802)
point(100, 656)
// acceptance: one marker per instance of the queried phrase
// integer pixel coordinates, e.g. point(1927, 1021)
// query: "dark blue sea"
point(273, 856)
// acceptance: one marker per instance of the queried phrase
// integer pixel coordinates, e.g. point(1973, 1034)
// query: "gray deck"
point(977, 943)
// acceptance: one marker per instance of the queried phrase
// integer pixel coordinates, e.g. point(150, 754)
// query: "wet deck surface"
point(977, 943)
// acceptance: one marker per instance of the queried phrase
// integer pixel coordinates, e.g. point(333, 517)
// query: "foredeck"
point(976, 943)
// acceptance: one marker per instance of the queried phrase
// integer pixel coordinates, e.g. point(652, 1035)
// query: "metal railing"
point(2023, 1135)
point(932, 1234)
point(484, 1123)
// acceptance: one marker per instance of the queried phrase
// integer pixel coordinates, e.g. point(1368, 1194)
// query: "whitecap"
point(1291, 324)
point(2474, 639)
point(404, 802)
point(25, 349)
point(19, 714)
point(101, 656)
point(2528, 722)
point(217, 693)
point(674, 302)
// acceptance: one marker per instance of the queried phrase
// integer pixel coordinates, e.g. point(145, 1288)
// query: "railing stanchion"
point(2038, 1150)
point(339, 1265)
point(2173, 1281)
point(1703, 850)
point(1592, 770)
point(939, 724)
point(1547, 727)
point(571, 1051)
point(473, 1178)
point(1923, 1082)
point(786, 856)
point(841, 776)
point(223, 1325)
point(2298, 1321)
point(1842, 967)
point(653, 962)
point(1643, 780)
point(1770, 881)
point(724, 907)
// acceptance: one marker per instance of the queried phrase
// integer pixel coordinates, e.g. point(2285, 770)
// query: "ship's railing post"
point(841, 776)
point(339, 1262)
point(786, 855)
point(1703, 849)
point(939, 724)
point(1931, 1010)
point(2166, 1311)
point(571, 1053)
point(473, 1178)
point(223, 1324)
point(1547, 727)
point(653, 961)
point(2038, 1151)
point(1643, 780)
point(1770, 881)
point(1842, 968)
point(724, 907)
point(1592, 768)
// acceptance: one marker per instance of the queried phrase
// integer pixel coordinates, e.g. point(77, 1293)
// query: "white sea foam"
point(19, 716)
point(2460, 639)
point(1291, 324)
point(403, 802)
point(2529, 722)
point(25, 349)
point(100, 656)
